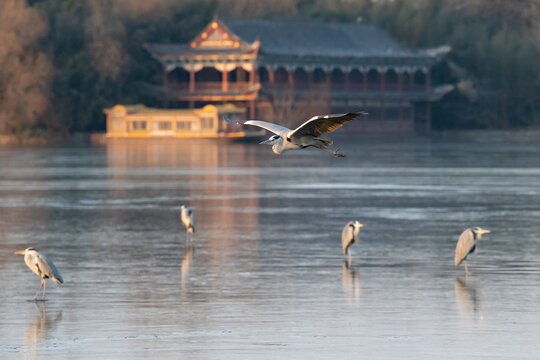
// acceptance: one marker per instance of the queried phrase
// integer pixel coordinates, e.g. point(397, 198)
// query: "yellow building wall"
point(144, 122)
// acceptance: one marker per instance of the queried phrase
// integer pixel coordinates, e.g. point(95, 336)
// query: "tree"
point(25, 71)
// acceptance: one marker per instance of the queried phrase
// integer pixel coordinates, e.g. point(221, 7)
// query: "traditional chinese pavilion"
point(262, 65)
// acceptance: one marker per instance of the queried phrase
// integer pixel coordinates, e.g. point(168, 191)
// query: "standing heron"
point(467, 244)
point(43, 267)
point(306, 134)
point(188, 219)
point(349, 236)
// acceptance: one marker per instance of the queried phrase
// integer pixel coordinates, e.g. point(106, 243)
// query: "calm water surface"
point(264, 277)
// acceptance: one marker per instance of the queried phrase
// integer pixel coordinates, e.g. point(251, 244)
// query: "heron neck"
point(277, 148)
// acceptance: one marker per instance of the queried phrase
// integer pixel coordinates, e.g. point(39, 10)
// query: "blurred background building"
point(283, 70)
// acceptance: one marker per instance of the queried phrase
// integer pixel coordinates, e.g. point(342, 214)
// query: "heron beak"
point(485, 231)
point(19, 252)
point(266, 142)
point(360, 225)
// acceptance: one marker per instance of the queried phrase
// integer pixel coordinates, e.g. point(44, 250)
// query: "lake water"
point(264, 277)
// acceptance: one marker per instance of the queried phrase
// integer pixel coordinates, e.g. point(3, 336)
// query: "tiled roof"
point(310, 42)
point(184, 49)
point(318, 38)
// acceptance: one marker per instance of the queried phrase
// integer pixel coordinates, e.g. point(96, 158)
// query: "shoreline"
point(82, 139)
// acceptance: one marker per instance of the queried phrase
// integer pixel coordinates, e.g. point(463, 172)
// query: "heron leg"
point(331, 152)
point(467, 273)
point(44, 288)
point(349, 252)
point(37, 292)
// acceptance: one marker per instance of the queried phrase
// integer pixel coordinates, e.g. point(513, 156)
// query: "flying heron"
point(306, 134)
point(349, 236)
point(467, 244)
point(188, 219)
point(43, 267)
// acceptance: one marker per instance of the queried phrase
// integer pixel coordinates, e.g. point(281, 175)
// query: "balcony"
point(207, 91)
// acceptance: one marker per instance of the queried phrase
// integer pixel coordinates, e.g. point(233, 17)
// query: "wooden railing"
point(246, 86)
point(213, 86)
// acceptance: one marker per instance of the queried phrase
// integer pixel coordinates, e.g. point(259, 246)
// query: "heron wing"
point(47, 268)
point(275, 128)
point(464, 246)
point(323, 124)
point(29, 260)
point(347, 237)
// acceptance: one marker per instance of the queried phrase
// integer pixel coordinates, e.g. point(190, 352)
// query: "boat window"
point(138, 125)
point(183, 125)
point(162, 125)
point(207, 123)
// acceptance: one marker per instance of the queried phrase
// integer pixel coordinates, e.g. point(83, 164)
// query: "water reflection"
point(186, 263)
point(350, 281)
point(40, 327)
point(468, 298)
point(217, 179)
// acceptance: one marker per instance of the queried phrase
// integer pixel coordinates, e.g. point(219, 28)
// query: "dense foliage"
point(63, 61)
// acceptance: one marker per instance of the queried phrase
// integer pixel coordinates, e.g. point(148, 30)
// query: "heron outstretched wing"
point(323, 124)
point(464, 246)
point(275, 128)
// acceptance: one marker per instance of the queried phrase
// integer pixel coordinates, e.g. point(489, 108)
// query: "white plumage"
point(188, 219)
point(43, 267)
point(349, 235)
point(467, 244)
point(306, 134)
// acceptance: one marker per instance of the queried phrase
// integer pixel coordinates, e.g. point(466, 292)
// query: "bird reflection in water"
point(186, 262)
point(350, 281)
point(467, 297)
point(42, 324)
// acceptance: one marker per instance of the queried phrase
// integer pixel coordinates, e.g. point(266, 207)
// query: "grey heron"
point(306, 134)
point(188, 219)
point(467, 244)
point(43, 267)
point(349, 235)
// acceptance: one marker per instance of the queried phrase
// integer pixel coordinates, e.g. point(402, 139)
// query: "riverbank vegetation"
point(63, 61)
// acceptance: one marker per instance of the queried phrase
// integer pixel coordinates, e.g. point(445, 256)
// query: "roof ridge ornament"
point(217, 35)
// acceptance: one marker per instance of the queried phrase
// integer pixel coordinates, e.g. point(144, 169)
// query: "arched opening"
point(234, 74)
point(355, 79)
point(238, 75)
point(419, 79)
point(281, 76)
point(178, 76)
point(337, 79)
point(319, 76)
point(208, 74)
point(406, 80)
point(391, 79)
point(263, 75)
point(300, 77)
point(373, 79)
